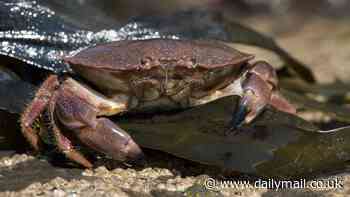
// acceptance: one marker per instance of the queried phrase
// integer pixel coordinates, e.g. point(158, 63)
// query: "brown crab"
point(145, 75)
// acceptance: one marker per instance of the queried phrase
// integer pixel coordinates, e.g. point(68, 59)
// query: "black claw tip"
point(140, 160)
point(238, 117)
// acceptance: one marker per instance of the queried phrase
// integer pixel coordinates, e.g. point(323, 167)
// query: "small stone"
point(59, 193)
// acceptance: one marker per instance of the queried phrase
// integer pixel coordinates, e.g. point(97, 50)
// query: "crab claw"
point(110, 139)
point(256, 95)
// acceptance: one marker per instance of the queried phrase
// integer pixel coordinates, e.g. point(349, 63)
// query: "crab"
point(145, 75)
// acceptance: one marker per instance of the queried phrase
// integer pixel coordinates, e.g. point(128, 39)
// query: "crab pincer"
point(259, 88)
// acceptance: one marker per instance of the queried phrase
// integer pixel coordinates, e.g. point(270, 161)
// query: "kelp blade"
point(275, 145)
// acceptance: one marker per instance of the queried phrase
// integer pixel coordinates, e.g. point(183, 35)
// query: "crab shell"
point(149, 71)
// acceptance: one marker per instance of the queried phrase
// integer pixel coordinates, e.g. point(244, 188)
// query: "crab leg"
point(260, 88)
point(35, 108)
point(279, 102)
point(103, 105)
